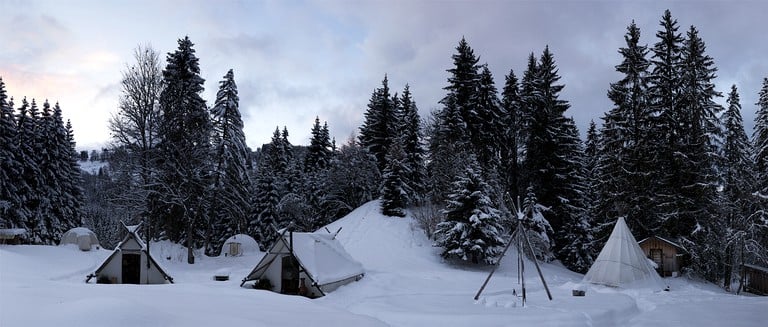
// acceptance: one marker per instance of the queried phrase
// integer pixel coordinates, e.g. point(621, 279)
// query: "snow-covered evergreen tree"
point(760, 140)
point(12, 214)
point(319, 152)
point(510, 136)
point(537, 226)
point(184, 135)
point(626, 148)
point(554, 154)
point(410, 137)
point(231, 183)
point(394, 190)
point(472, 229)
point(378, 130)
point(734, 226)
point(264, 217)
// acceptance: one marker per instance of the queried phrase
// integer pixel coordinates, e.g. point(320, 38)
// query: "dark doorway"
point(657, 255)
point(290, 276)
point(131, 268)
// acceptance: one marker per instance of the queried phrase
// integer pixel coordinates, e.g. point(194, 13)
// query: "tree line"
point(666, 157)
point(40, 180)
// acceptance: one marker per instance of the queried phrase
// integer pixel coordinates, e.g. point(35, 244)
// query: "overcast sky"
point(294, 60)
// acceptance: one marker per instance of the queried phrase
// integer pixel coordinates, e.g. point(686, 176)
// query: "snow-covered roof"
point(324, 258)
point(621, 262)
point(12, 231)
point(320, 254)
point(80, 231)
point(763, 269)
point(663, 240)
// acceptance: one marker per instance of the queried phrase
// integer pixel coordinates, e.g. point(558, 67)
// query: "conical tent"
point(622, 263)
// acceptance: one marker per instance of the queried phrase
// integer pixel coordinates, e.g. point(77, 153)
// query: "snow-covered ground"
point(406, 284)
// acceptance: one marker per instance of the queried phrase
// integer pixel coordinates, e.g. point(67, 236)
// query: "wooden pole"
point(477, 296)
point(536, 262)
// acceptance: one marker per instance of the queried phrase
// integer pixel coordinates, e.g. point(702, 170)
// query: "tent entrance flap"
point(290, 275)
point(131, 268)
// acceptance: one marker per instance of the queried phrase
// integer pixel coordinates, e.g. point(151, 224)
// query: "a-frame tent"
point(308, 264)
point(621, 262)
point(130, 263)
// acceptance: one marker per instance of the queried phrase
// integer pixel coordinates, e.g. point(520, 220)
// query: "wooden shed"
point(668, 255)
point(755, 279)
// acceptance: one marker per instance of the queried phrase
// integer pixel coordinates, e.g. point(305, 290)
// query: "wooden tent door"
point(131, 268)
point(290, 275)
point(657, 255)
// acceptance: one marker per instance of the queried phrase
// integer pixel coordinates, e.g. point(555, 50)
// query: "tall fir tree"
point(664, 96)
point(760, 139)
point(410, 137)
point(693, 184)
point(11, 204)
point(510, 136)
point(553, 150)
point(735, 224)
point(472, 229)
point(319, 153)
point(450, 137)
point(377, 131)
point(230, 202)
point(626, 147)
point(393, 189)
point(264, 215)
point(185, 130)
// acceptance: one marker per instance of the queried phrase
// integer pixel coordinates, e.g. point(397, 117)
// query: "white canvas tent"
point(309, 264)
point(622, 263)
point(130, 263)
point(238, 245)
point(83, 237)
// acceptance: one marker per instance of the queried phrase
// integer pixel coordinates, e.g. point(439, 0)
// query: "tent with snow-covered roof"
point(130, 263)
point(239, 244)
point(84, 238)
point(621, 262)
point(308, 264)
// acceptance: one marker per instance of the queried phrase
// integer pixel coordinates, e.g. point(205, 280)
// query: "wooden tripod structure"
point(520, 238)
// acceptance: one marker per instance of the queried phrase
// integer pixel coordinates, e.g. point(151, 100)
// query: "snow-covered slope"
point(406, 284)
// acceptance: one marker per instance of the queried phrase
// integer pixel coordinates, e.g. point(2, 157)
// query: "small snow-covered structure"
point(84, 238)
point(308, 264)
point(13, 236)
point(130, 263)
point(238, 245)
point(667, 255)
point(755, 279)
point(621, 262)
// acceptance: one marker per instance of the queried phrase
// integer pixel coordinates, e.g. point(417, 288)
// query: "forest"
point(666, 157)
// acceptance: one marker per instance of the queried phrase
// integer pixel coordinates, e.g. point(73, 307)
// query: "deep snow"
point(406, 284)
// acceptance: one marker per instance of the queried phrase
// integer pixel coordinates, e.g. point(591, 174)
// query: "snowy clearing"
point(406, 284)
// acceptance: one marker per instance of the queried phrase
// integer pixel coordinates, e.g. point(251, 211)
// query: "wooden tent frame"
point(520, 238)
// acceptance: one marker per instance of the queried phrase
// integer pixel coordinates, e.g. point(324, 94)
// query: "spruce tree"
point(410, 137)
point(184, 135)
point(693, 183)
point(760, 140)
point(664, 96)
point(11, 204)
point(394, 190)
point(553, 150)
point(471, 230)
point(231, 183)
point(510, 136)
point(319, 152)
point(738, 182)
point(626, 147)
point(537, 226)
point(264, 215)
point(377, 131)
